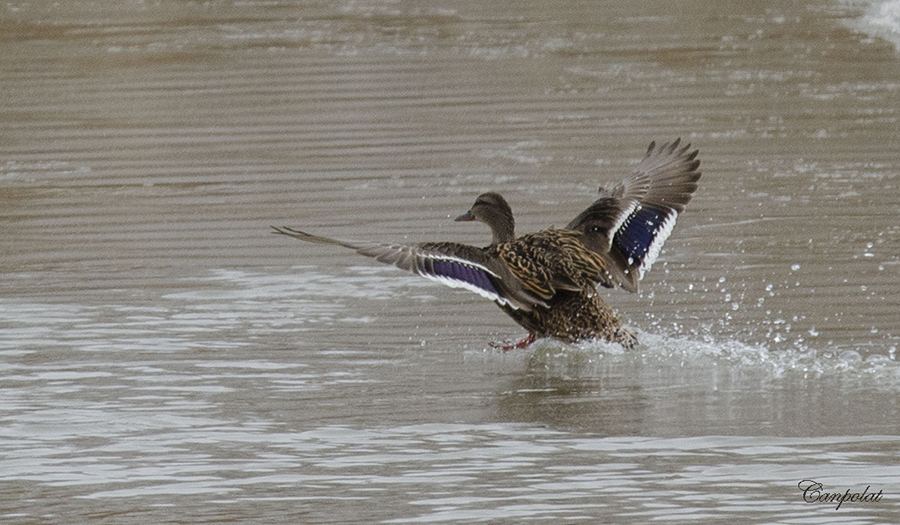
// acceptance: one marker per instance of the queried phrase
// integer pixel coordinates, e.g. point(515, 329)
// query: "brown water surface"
point(163, 358)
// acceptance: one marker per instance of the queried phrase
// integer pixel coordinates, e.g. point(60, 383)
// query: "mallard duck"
point(547, 280)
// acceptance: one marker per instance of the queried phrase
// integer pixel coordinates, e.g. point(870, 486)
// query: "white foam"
point(880, 18)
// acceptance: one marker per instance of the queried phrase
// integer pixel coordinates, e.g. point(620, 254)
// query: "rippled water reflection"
point(164, 359)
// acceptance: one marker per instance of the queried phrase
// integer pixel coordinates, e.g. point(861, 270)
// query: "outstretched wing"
point(455, 265)
point(630, 222)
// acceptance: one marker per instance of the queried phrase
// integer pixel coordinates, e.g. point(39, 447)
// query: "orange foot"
point(506, 346)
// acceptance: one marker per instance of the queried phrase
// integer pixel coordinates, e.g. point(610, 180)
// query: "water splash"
point(879, 18)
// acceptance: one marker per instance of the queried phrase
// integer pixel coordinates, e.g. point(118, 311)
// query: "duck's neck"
point(503, 228)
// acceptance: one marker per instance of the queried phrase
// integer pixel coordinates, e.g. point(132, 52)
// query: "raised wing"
point(630, 222)
point(455, 265)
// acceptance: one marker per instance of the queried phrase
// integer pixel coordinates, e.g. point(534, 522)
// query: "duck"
point(548, 281)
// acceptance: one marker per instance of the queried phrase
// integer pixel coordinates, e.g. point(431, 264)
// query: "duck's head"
point(492, 209)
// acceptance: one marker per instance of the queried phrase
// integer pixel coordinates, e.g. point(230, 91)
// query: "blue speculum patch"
point(462, 272)
point(636, 236)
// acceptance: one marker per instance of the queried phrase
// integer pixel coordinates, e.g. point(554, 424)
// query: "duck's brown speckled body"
point(573, 317)
point(558, 264)
point(547, 281)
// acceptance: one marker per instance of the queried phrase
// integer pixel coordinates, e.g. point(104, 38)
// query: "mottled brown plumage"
point(557, 266)
point(547, 281)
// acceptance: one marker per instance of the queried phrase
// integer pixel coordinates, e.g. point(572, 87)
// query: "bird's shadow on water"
point(680, 386)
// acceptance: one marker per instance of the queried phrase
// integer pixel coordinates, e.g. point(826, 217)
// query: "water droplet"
point(850, 356)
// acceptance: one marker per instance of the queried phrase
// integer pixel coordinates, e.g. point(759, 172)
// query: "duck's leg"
point(507, 346)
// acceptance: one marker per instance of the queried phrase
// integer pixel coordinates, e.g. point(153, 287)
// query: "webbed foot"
point(506, 346)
